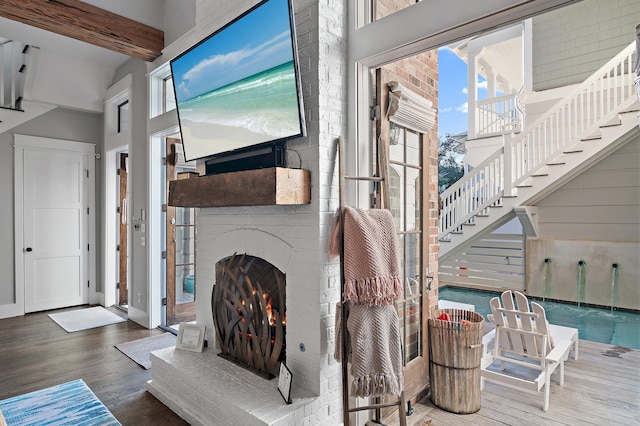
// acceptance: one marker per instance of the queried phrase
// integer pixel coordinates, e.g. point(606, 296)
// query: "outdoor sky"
point(256, 42)
point(452, 93)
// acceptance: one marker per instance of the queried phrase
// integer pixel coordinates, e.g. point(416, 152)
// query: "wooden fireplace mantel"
point(259, 187)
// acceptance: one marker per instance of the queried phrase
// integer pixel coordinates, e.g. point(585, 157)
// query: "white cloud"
point(208, 66)
point(464, 108)
point(481, 85)
point(448, 109)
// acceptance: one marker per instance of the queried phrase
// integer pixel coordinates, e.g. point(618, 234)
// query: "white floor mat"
point(82, 319)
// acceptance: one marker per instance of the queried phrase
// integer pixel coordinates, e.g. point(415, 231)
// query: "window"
point(382, 8)
point(168, 95)
point(123, 116)
point(161, 96)
point(405, 199)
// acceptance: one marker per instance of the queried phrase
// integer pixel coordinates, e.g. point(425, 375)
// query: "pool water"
point(599, 325)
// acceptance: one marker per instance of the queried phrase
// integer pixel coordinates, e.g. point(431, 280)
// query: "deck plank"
point(601, 387)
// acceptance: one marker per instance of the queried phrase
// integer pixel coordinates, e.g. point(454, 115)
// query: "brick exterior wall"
point(420, 74)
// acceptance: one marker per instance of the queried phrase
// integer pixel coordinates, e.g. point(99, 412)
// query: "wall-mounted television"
point(238, 90)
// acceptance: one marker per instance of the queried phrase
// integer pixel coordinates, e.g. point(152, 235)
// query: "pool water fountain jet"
point(547, 280)
point(582, 281)
point(615, 274)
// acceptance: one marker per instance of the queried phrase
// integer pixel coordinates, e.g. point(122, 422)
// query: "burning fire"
point(270, 315)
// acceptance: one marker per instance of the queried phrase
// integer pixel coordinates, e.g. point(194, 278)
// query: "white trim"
point(55, 144)
point(430, 24)
point(17, 307)
point(425, 25)
point(90, 198)
point(155, 223)
point(20, 143)
point(114, 143)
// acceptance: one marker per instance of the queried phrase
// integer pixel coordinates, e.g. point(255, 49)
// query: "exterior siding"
point(601, 204)
point(573, 42)
point(594, 218)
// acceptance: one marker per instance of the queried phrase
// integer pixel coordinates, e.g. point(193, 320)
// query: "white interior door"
point(55, 237)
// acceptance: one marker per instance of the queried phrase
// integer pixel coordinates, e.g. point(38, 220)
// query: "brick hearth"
point(205, 389)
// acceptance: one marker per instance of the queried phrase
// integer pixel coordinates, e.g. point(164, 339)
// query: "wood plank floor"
point(601, 388)
point(36, 353)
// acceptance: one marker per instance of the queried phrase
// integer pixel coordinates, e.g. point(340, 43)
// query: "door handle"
point(28, 249)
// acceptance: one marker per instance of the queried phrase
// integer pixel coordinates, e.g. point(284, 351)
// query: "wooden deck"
point(601, 388)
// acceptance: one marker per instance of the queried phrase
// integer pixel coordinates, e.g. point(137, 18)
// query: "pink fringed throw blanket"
point(371, 256)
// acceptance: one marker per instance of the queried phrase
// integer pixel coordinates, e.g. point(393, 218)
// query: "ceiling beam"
point(88, 23)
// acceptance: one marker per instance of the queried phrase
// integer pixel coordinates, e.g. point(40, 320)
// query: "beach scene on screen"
point(238, 88)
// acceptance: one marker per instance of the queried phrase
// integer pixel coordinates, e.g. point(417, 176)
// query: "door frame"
point(175, 312)
point(110, 229)
point(22, 142)
point(123, 229)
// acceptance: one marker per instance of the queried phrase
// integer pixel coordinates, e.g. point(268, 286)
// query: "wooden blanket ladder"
point(378, 404)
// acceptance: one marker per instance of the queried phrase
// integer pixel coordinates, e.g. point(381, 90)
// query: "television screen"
point(239, 87)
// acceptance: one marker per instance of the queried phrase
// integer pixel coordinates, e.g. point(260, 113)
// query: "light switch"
point(143, 241)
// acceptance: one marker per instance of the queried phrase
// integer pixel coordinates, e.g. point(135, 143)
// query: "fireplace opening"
point(249, 313)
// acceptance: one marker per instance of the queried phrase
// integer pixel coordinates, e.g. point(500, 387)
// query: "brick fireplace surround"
point(206, 389)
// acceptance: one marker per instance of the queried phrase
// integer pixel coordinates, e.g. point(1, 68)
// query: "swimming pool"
point(599, 325)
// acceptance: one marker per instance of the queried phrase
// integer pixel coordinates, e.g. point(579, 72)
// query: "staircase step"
point(592, 137)
point(575, 148)
point(635, 107)
point(543, 171)
point(558, 161)
point(526, 183)
point(615, 121)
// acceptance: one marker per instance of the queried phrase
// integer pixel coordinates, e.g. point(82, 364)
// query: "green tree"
point(450, 167)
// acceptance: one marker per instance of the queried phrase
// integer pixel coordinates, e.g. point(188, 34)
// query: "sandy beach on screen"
point(204, 139)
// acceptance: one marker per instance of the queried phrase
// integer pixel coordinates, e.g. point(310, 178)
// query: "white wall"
point(138, 308)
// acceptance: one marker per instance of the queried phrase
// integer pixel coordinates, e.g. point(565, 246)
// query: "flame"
point(270, 311)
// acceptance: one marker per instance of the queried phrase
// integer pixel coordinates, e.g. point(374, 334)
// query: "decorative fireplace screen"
point(248, 305)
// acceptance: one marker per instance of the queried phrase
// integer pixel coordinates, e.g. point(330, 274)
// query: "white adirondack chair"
point(524, 342)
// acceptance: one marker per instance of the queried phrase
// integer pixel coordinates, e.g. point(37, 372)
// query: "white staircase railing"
point(498, 115)
point(12, 73)
point(591, 104)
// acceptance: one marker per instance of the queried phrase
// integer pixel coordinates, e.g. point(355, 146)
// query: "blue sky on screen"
point(256, 42)
point(452, 93)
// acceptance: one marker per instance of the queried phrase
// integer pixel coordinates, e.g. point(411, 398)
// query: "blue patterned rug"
point(71, 403)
